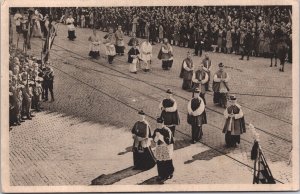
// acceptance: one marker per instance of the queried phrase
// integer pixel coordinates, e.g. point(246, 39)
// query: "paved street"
point(85, 132)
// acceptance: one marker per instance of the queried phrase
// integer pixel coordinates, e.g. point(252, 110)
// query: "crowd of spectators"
point(28, 85)
point(209, 28)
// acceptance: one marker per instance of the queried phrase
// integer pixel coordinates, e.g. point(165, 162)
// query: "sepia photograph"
point(131, 96)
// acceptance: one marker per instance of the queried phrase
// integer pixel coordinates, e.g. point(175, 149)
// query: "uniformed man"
point(48, 81)
point(169, 112)
point(37, 94)
point(27, 97)
point(196, 116)
point(14, 101)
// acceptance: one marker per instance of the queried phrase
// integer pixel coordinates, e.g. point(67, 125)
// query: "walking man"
point(187, 72)
point(120, 41)
point(235, 123)
point(166, 55)
point(164, 140)
point(207, 66)
point(200, 78)
point(143, 158)
point(220, 86)
point(169, 112)
point(146, 54)
point(196, 116)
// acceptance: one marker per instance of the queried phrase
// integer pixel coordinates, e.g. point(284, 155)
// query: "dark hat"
point(169, 91)
point(159, 120)
point(232, 97)
point(221, 65)
point(196, 90)
point(141, 112)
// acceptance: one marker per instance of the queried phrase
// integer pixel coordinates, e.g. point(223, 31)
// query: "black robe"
point(200, 119)
point(170, 118)
point(143, 157)
point(165, 168)
point(132, 51)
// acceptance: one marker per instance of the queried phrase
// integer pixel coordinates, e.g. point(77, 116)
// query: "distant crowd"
point(208, 28)
point(219, 29)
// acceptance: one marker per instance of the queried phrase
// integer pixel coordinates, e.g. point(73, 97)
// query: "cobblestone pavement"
point(96, 102)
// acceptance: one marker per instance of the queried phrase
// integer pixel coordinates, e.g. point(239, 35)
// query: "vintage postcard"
point(149, 96)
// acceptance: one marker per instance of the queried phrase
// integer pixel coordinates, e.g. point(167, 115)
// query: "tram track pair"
point(155, 73)
point(152, 98)
point(130, 106)
point(154, 118)
point(182, 97)
point(243, 104)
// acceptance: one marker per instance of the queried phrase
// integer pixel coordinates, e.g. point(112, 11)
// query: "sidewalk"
point(56, 149)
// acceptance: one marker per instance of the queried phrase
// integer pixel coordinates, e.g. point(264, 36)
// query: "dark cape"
point(168, 138)
point(170, 118)
point(143, 157)
point(182, 72)
point(165, 168)
point(197, 120)
point(132, 51)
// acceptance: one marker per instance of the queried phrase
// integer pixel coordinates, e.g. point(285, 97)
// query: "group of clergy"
point(195, 79)
point(163, 136)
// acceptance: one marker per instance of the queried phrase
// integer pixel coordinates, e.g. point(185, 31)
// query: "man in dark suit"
point(247, 45)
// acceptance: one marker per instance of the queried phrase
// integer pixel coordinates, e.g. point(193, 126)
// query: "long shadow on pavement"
point(127, 172)
point(115, 177)
point(209, 154)
point(151, 181)
point(206, 155)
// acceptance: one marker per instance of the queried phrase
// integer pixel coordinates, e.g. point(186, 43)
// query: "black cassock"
point(143, 157)
point(165, 166)
point(197, 121)
point(170, 118)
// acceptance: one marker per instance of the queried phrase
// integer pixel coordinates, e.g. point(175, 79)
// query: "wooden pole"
point(10, 30)
point(290, 14)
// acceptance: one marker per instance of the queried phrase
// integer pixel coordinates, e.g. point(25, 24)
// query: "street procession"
point(193, 94)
